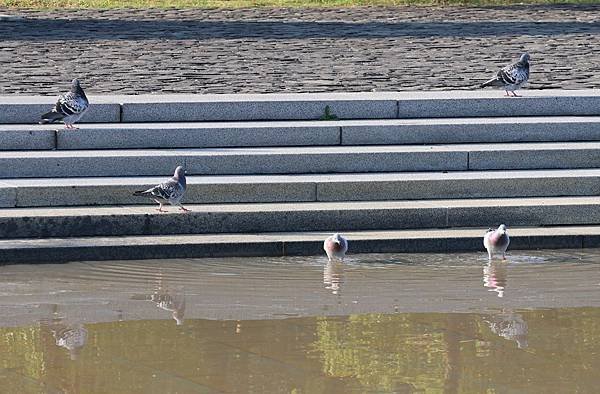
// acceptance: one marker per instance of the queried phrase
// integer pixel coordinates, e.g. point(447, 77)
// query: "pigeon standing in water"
point(336, 247)
point(69, 108)
point(512, 76)
point(496, 241)
point(171, 191)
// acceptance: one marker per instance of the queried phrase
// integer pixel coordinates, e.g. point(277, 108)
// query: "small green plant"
point(328, 115)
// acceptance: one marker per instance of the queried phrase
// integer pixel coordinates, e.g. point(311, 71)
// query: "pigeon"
point(510, 326)
point(69, 108)
point(336, 247)
point(171, 191)
point(496, 241)
point(512, 76)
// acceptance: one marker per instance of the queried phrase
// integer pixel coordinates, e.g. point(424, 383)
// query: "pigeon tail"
point(143, 193)
point(492, 82)
point(51, 117)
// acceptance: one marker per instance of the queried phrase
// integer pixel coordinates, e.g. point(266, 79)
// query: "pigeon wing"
point(513, 74)
point(70, 104)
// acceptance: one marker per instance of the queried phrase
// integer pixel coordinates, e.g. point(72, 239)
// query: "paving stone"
point(262, 50)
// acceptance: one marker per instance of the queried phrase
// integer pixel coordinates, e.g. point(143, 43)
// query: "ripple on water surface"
point(381, 322)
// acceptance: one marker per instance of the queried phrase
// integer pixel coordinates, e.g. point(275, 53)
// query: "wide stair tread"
point(40, 192)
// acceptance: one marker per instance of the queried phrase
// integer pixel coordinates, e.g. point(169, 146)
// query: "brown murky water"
point(378, 323)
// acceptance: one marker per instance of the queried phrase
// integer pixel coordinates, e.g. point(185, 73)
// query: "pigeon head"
point(75, 85)
point(179, 173)
point(524, 58)
point(76, 88)
point(337, 239)
point(502, 229)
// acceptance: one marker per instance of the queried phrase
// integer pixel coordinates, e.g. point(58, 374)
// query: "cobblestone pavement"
point(294, 50)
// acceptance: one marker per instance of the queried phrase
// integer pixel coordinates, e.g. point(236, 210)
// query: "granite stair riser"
point(92, 192)
point(203, 222)
point(280, 248)
point(294, 161)
point(469, 133)
point(188, 108)
point(32, 111)
point(171, 135)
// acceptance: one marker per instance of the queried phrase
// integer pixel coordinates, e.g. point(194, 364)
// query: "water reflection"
point(509, 325)
point(495, 276)
point(333, 276)
point(71, 337)
point(67, 334)
point(166, 298)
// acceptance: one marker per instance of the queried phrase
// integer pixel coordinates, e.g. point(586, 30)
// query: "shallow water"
point(377, 323)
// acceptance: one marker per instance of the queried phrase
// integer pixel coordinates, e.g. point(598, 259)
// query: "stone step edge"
point(53, 250)
point(291, 207)
point(287, 106)
point(80, 192)
point(300, 133)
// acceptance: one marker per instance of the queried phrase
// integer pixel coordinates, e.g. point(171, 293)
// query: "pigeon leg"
point(506, 94)
point(514, 94)
point(160, 207)
point(182, 208)
point(503, 256)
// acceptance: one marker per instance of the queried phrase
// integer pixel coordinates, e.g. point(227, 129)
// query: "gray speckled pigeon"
point(335, 246)
point(511, 77)
point(171, 191)
point(496, 241)
point(69, 108)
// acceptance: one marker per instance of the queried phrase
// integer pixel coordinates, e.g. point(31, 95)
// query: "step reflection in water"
point(509, 325)
point(71, 336)
point(495, 276)
point(166, 297)
point(333, 276)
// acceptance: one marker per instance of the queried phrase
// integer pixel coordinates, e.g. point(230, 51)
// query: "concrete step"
point(42, 192)
point(311, 106)
point(283, 217)
point(29, 109)
point(286, 244)
point(301, 133)
point(298, 160)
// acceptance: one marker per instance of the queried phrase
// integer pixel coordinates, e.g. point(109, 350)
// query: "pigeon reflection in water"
point(67, 334)
point(71, 337)
point(495, 276)
point(510, 326)
point(166, 299)
point(333, 276)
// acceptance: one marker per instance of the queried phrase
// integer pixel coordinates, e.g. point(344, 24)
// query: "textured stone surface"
point(27, 139)
point(309, 50)
point(299, 160)
point(8, 195)
point(281, 244)
point(28, 109)
point(118, 191)
point(298, 217)
point(464, 130)
point(169, 135)
point(281, 108)
point(543, 155)
point(501, 106)
point(223, 161)
point(489, 184)
point(77, 222)
point(317, 187)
